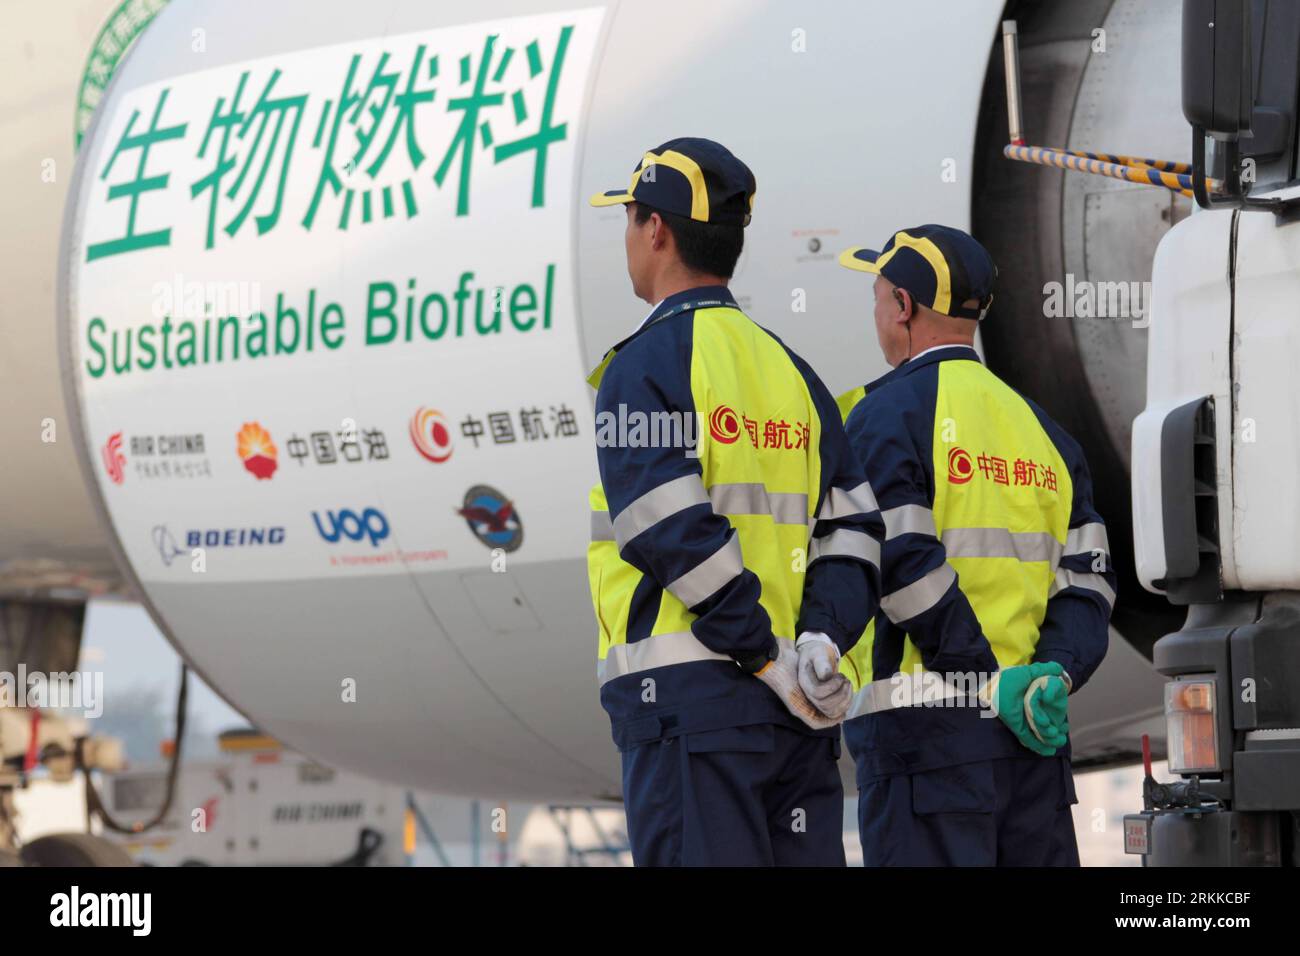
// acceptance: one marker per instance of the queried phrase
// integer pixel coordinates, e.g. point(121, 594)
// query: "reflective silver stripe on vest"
point(908, 519)
point(845, 543)
point(1001, 543)
point(841, 504)
point(1087, 538)
point(752, 498)
point(910, 690)
point(656, 505)
point(739, 498)
point(919, 596)
point(661, 650)
point(1066, 578)
point(602, 529)
point(703, 581)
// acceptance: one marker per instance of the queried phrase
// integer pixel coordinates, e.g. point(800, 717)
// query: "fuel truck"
point(1216, 503)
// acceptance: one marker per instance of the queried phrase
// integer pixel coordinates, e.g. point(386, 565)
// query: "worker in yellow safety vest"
point(730, 520)
point(997, 581)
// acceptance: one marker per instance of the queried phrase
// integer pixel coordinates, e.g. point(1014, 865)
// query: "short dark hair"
point(707, 247)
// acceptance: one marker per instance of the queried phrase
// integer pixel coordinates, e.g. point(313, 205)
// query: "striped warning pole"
point(1146, 174)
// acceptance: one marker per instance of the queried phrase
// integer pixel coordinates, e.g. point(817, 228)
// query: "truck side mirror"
point(1216, 62)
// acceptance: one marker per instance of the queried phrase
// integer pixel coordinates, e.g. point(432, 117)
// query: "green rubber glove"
point(1026, 699)
point(1052, 701)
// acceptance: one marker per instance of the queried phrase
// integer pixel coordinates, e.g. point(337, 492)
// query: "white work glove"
point(782, 675)
point(819, 675)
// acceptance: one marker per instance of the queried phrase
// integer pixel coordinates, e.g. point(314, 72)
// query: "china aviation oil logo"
point(431, 434)
point(724, 425)
point(114, 460)
point(257, 451)
point(492, 518)
point(960, 468)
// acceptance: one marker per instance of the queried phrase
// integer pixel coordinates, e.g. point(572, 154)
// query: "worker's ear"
point(903, 299)
point(658, 232)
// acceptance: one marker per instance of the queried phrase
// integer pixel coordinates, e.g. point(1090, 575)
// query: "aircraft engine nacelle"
point(330, 287)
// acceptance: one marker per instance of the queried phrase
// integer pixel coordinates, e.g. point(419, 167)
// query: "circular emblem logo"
point(492, 518)
point(960, 468)
point(724, 425)
point(431, 434)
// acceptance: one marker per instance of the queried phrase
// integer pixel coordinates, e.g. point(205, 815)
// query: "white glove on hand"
point(819, 675)
point(782, 675)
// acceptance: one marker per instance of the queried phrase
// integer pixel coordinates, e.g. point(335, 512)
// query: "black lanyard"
point(594, 378)
point(687, 306)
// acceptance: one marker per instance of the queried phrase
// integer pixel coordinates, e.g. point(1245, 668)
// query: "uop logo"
point(960, 468)
point(257, 450)
point(114, 460)
point(346, 523)
point(724, 425)
point(431, 435)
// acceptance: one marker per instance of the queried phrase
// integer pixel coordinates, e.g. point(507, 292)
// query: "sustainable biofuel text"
point(395, 314)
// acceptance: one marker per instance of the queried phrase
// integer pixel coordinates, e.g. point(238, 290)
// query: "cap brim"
point(611, 198)
point(860, 259)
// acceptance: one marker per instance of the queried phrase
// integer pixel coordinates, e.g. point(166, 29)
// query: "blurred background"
point(141, 675)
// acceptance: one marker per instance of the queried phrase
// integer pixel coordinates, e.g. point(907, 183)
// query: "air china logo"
point(346, 523)
point(431, 435)
point(114, 460)
point(724, 425)
point(154, 456)
point(257, 451)
point(960, 468)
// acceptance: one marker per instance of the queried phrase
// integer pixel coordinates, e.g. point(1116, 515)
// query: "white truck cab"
point(1216, 457)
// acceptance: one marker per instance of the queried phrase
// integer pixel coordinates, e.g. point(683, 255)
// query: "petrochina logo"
point(724, 425)
point(431, 434)
point(257, 451)
point(960, 468)
point(114, 460)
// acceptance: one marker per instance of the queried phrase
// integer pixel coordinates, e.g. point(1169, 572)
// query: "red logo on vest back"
point(960, 468)
point(724, 425)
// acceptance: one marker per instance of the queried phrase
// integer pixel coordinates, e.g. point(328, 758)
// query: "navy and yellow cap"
point(691, 177)
point(939, 266)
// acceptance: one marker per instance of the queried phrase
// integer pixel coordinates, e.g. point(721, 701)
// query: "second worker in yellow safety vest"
point(997, 581)
point(731, 517)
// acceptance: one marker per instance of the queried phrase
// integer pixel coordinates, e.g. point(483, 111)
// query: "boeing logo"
point(168, 549)
point(234, 537)
point(166, 544)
